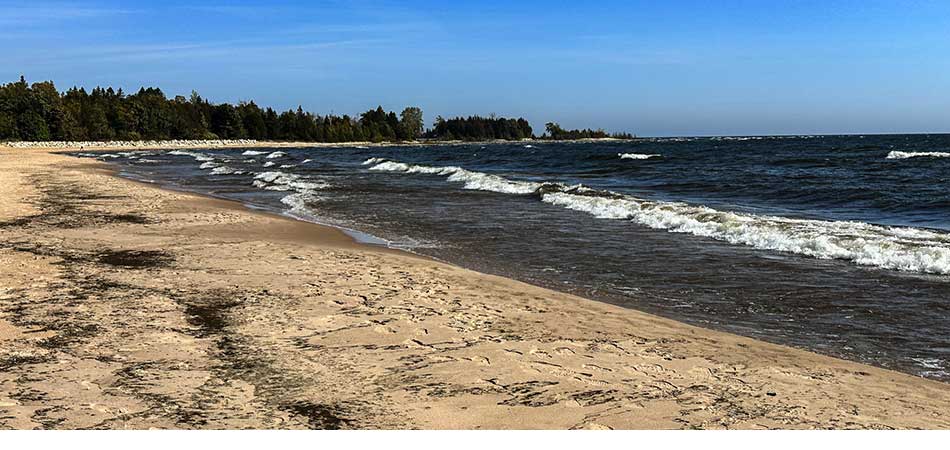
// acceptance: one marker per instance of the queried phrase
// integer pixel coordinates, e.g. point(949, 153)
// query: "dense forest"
point(39, 112)
point(554, 131)
point(475, 128)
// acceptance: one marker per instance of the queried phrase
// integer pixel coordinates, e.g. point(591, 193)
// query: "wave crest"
point(904, 155)
point(473, 180)
point(197, 156)
point(282, 181)
point(637, 156)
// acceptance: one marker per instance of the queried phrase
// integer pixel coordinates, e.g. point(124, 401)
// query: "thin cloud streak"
point(186, 51)
point(51, 13)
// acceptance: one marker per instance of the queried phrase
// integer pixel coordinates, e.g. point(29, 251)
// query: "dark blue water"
point(838, 244)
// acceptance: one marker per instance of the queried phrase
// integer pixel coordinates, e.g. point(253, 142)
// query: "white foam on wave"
point(303, 189)
point(269, 164)
point(473, 180)
point(897, 248)
point(373, 161)
point(225, 170)
point(298, 202)
point(276, 155)
point(636, 156)
point(219, 169)
point(252, 153)
point(282, 181)
point(196, 155)
point(886, 247)
point(904, 155)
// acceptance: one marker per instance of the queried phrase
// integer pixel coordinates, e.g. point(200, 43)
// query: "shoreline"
point(250, 143)
point(354, 236)
point(243, 318)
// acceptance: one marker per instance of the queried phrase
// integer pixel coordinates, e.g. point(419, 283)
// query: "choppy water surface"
point(839, 244)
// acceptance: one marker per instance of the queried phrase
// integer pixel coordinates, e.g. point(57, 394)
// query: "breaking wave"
point(225, 170)
point(636, 156)
point(252, 153)
point(282, 181)
point(276, 155)
point(298, 202)
point(897, 248)
point(219, 169)
point(904, 155)
point(196, 155)
point(473, 180)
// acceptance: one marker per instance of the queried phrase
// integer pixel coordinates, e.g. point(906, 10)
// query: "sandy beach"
point(127, 306)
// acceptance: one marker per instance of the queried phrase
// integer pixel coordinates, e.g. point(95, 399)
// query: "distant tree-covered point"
point(554, 131)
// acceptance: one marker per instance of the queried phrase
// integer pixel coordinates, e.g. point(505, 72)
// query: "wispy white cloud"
point(243, 10)
point(44, 13)
point(191, 51)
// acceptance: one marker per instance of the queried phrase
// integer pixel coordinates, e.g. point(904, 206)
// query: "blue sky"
point(648, 67)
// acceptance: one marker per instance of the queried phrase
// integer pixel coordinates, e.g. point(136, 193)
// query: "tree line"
point(39, 112)
point(476, 128)
point(554, 131)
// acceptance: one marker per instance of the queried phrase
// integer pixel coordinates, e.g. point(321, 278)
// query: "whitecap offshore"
point(252, 153)
point(904, 155)
point(276, 155)
point(637, 156)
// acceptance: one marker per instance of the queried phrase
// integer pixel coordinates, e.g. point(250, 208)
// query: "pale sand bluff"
point(127, 306)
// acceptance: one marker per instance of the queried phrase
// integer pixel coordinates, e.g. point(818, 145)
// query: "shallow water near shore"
point(835, 244)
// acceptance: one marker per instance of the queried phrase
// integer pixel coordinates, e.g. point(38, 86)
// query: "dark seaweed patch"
point(209, 312)
point(14, 223)
point(13, 362)
point(69, 334)
point(319, 417)
point(126, 218)
point(63, 206)
point(138, 259)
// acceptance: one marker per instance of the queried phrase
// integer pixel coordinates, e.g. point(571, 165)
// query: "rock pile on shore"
point(128, 144)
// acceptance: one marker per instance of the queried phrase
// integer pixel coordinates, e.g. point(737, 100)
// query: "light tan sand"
point(127, 306)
